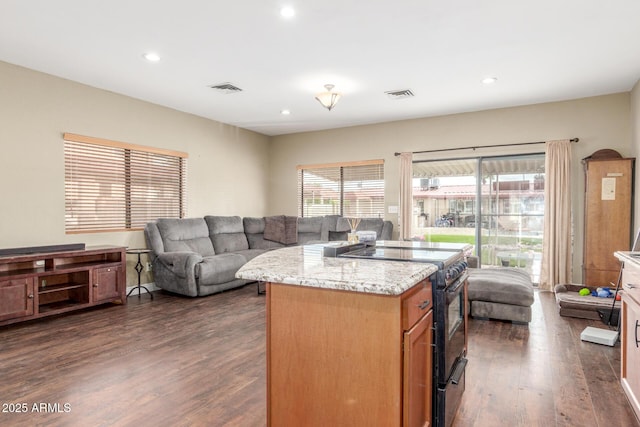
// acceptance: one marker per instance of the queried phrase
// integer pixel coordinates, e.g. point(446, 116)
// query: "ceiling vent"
point(400, 94)
point(226, 88)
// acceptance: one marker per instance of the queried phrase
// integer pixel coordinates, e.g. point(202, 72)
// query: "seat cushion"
point(227, 233)
point(502, 285)
point(342, 227)
point(250, 254)
point(371, 224)
point(219, 268)
point(309, 229)
point(254, 230)
point(185, 235)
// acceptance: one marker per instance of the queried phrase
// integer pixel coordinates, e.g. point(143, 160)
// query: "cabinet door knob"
point(95, 285)
point(631, 286)
point(30, 296)
point(637, 326)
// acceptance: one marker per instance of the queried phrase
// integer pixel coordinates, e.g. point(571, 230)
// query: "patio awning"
point(466, 167)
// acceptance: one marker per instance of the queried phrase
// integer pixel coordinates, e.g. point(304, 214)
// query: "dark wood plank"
point(176, 361)
point(541, 374)
point(170, 361)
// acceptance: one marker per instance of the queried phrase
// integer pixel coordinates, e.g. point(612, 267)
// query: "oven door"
point(450, 335)
point(454, 325)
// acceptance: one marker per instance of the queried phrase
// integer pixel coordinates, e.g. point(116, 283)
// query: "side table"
point(139, 267)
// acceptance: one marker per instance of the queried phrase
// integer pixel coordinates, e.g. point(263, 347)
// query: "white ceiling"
point(542, 50)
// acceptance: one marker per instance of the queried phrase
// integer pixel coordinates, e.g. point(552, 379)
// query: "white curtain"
point(406, 195)
point(556, 246)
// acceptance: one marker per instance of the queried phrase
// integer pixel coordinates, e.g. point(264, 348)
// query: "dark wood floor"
point(200, 362)
point(542, 374)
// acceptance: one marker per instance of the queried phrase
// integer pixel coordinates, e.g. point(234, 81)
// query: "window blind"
point(354, 189)
point(114, 186)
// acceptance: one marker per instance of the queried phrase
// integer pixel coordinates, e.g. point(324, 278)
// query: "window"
point(353, 189)
point(114, 186)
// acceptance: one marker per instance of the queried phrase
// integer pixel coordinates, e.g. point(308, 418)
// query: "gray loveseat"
point(200, 256)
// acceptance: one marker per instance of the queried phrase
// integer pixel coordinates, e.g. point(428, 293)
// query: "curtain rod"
point(482, 146)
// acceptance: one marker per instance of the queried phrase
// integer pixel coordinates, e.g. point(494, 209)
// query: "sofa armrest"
point(153, 239)
point(182, 264)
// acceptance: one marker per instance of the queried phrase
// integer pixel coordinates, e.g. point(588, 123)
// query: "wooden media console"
point(43, 284)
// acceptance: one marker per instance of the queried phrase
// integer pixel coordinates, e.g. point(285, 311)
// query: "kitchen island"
point(348, 340)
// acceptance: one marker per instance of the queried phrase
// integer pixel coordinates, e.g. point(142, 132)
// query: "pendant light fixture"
point(328, 99)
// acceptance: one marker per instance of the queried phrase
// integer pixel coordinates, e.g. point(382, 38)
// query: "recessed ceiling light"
point(151, 56)
point(285, 112)
point(287, 12)
point(489, 80)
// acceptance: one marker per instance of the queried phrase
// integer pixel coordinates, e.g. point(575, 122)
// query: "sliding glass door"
point(512, 192)
point(445, 201)
point(493, 203)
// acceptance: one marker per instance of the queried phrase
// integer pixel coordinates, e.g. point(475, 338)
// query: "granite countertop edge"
point(304, 267)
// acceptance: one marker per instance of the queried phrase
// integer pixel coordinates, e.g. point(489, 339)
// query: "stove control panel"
point(455, 269)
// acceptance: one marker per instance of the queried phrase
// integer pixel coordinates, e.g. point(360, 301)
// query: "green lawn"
point(450, 238)
point(493, 240)
point(524, 250)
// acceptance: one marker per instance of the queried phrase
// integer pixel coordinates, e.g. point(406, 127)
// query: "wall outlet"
point(148, 266)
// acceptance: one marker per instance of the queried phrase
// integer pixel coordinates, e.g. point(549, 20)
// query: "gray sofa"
point(200, 256)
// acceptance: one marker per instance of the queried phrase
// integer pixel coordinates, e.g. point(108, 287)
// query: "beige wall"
point(35, 110)
point(599, 122)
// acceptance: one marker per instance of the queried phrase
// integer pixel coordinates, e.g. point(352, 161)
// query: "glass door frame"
point(479, 210)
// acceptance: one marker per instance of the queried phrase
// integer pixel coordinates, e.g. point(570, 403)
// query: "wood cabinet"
point(607, 222)
point(107, 283)
point(42, 284)
point(349, 358)
point(417, 376)
point(16, 298)
point(630, 335)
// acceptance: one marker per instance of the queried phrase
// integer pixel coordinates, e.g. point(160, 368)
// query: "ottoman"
point(500, 293)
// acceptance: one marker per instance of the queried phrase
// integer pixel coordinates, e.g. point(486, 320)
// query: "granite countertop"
point(630, 257)
point(306, 266)
point(442, 246)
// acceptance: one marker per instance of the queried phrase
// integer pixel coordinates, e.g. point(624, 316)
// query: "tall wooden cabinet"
point(608, 208)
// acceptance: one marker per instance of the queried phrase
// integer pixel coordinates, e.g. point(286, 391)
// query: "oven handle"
point(458, 371)
point(459, 282)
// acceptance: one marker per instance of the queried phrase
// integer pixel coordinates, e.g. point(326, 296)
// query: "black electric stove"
point(449, 285)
